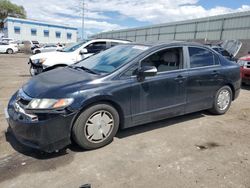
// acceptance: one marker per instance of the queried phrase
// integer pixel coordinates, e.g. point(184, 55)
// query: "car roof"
point(169, 43)
point(111, 40)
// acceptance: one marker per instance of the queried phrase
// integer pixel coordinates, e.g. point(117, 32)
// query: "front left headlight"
point(39, 61)
point(42, 104)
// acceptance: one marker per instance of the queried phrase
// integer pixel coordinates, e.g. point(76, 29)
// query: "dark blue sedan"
point(122, 87)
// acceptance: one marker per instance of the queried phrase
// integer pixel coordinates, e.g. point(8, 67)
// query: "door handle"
point(179, 78)
point(215, 73)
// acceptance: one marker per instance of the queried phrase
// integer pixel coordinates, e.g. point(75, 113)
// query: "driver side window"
point(96, 47)
point(165, 60)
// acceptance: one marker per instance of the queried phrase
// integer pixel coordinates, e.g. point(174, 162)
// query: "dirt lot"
point(196, 150)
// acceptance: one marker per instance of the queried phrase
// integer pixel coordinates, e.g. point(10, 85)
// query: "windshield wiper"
point(85, 69)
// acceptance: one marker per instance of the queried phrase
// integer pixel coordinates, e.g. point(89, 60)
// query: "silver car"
point(47, 48)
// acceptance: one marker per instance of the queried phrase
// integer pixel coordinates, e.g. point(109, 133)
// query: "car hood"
point(58, 83)
point(232, 46)
point(51, 55)
point(245, 58)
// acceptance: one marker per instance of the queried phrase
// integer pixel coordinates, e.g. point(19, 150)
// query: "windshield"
point(109, 60)
point(73, 47)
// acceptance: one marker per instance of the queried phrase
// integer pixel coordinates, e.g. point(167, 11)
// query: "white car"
point(8, 48)
point(7, 40)
point(47, 48)
point(49, 60)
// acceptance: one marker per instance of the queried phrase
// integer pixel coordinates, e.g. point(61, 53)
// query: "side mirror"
point(146, 71)
point(83, 51)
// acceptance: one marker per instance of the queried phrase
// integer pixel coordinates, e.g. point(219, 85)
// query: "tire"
point(96, 126)
point(32, 71)
point(9, 51)
point(222, 101)
point(37, 51)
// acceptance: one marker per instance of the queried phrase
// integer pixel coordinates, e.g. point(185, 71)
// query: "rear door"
point(204, 78)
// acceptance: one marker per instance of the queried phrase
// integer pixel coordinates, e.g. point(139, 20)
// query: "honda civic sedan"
point(126, 86)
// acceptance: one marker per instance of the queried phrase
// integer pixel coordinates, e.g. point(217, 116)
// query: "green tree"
point(9, 9)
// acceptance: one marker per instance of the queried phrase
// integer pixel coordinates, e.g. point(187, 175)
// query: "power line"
point(83, 15)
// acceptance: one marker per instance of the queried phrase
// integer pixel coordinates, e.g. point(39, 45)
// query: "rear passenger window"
point(200, 57)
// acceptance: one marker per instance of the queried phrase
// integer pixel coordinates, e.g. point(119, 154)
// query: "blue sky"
point(226, 3)
point(106, 15)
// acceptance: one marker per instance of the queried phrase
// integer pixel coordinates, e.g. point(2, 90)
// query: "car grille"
point(248, 65)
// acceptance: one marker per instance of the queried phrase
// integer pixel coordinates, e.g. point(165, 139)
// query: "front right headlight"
point(242, 63)
point(42, 104)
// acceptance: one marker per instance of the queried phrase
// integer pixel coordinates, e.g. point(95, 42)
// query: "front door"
point(163, 95)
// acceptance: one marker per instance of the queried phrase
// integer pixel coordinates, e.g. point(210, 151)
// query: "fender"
point(100, 99)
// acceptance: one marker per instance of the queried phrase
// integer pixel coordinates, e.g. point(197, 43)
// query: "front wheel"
point(10, 51)
point(32, 71)
point(222, 101)
point(35, 71)
point(96, 126)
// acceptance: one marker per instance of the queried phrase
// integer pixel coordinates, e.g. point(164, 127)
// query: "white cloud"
point(157, 11)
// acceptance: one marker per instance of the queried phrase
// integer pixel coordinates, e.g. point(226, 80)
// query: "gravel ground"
point(195, 150)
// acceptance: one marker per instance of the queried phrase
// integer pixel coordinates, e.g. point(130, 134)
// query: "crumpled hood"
point(58, 83)
point(48, 55)
point(55, 57)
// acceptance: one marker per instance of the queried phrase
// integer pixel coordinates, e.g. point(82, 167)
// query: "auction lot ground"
point(195, 150)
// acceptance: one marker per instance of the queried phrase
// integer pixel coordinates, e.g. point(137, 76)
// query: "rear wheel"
point(96, 126)
point(9, 51)
point(222, 100)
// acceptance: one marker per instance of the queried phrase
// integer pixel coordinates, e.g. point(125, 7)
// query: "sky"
point(107, 15)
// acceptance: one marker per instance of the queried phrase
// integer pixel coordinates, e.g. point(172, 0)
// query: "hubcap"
point(223, 99)
point(99, 126)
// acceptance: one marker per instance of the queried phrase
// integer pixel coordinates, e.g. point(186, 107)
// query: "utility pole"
point(83, 7)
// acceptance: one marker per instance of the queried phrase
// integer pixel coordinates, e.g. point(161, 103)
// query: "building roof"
point(39, 23)
point(184, 22)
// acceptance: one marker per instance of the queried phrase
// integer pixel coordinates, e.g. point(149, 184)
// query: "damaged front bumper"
point(43, 131)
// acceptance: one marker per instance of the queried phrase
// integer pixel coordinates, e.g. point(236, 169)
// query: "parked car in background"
point(46, 61)
point(232, 46)
point(7, 40)
point(244, 63)
point(47, 48)
point(224, 52)
point(8, 48)
point(27, 45)
point(126, 86)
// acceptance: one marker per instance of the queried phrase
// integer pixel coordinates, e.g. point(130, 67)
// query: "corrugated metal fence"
point(223, 27)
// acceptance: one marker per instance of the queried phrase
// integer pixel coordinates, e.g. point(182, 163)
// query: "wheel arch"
point(99, 100)
point(232, 89)
point(9, 49)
